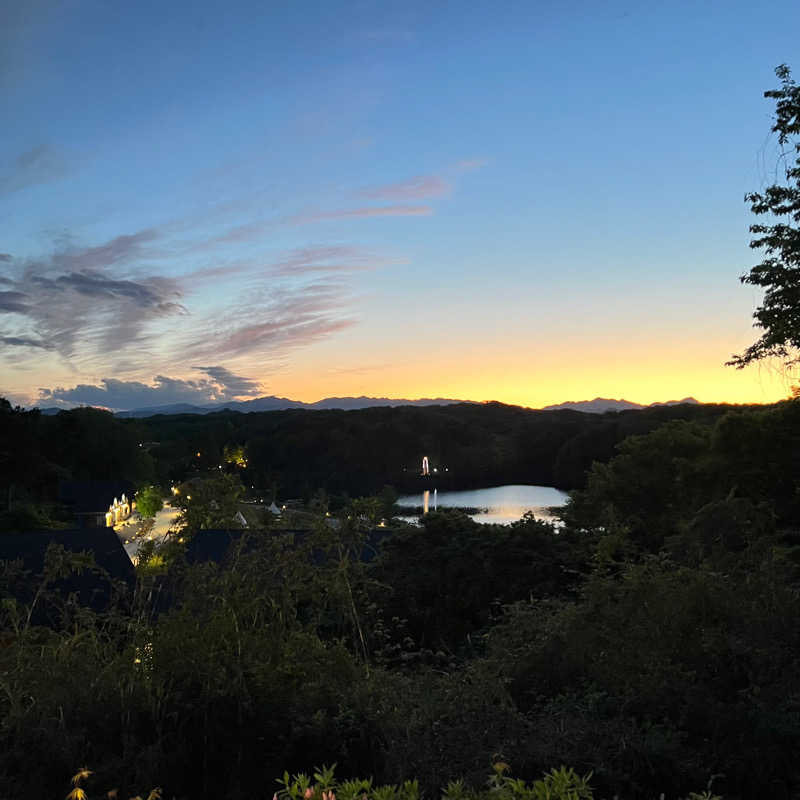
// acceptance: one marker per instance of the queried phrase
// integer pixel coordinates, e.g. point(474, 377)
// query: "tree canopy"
point(779, 272)
point(149, 501)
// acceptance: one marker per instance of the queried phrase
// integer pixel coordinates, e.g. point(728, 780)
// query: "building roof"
point(214, 545)
point(93, 589)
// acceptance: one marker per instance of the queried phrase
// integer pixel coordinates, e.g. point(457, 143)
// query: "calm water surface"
point(502, 504)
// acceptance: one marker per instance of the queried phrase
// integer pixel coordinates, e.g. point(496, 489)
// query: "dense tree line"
point(296, 453)
point(358, 452)
point(38, 452)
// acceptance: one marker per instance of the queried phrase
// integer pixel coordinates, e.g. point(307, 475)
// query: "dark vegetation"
point(293, 454)
point(358, 452)
point(653, 639)
point(777, 235)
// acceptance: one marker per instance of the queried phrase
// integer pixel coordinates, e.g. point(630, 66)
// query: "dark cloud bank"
point(220, 385)
point(81, 300)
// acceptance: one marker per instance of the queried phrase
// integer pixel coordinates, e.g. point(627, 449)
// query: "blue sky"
point(533, 202)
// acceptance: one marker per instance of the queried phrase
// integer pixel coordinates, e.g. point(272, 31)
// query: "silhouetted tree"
point(779, 272)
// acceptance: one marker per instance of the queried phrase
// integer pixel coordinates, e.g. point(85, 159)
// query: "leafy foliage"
point(210, 502)
point(779, 272)
point(450, 578)
point(149, 500)
point(557, 784)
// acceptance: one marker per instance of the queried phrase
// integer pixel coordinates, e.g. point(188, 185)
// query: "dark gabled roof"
point(214, 545)
point(92, 589)
point(103, 543)
point(88, 497)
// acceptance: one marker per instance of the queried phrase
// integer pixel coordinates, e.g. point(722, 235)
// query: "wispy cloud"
point(23, 341)
point(277, 322)
point(417, 188)
point(119, 250)
point(88, 298)
point(326, 258)
point(362, 213)
point(219, 271)
point(96, 306)
point(40, 164)
point(421, 187)
point(257, 229)
point(136, 302)
point(97, 286)
point(244, 233)
point(219, 386)
point(13, 303)
point(281, 334)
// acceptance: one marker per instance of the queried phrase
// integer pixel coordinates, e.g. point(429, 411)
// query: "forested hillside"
point(294, 453)
point(360, 451)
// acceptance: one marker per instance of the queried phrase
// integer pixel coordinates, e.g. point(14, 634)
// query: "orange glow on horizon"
point(637, 366)
point(540, 379)
point(533, 393)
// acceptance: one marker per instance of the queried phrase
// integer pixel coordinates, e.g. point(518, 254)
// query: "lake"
point(497, 504)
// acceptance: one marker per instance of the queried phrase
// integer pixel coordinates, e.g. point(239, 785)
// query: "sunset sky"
point(529, 202)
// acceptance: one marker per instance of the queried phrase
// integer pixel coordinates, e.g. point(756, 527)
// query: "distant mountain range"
point(602, 404)
point(282, 403)
point(597, 406)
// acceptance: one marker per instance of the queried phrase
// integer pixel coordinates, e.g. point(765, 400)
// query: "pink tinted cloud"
point(326, 258)
point(220, 271)
point(280, 334)
point(244, 233)
point(255, 230)
point(416, 188)
point(359, 213)
point(271, 325)
point(85, 302)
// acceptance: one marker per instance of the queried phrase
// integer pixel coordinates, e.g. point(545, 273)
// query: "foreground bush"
point(557, 784)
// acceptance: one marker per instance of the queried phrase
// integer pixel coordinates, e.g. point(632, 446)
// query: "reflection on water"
point(426, 499)
point(498, 504)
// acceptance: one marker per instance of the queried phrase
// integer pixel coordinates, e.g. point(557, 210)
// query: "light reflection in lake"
point(498, 504)
point(426, 501)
